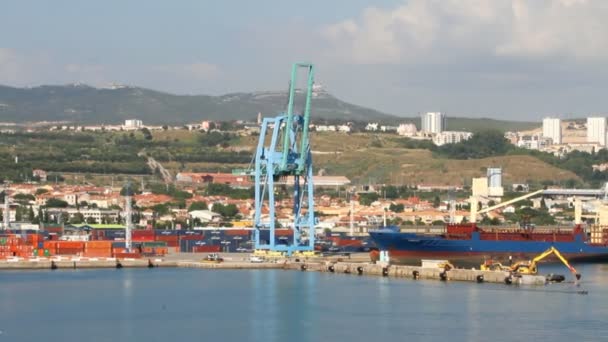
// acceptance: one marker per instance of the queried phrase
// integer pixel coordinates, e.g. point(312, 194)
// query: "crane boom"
point(475, 212)
point(531, 266)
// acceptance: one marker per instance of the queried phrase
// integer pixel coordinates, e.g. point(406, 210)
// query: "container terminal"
point(284, 154)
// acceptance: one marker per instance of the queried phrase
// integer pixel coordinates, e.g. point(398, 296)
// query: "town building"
point(432, 122)
point(451, 137)
point(596, 130)
point(134, 123)
point(372, 127)
point(552, 129)
point(407, 130)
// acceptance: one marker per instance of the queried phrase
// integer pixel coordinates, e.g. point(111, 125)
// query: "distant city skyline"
point(503, 59)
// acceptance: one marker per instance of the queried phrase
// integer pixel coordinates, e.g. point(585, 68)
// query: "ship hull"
point(408, 248)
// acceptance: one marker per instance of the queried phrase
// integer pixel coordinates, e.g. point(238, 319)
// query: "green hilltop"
point(88, 105)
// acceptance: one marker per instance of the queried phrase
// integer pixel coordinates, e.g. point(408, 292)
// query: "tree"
point(161, 209)
point(147, 134)
point(56, 203)
point(41, 191)
point(436, 202)
point(18, 214)
point(30, 214)
point(391, 192)
point(396, 208)
point(77, 218)
point(91, 220)
point(368, 198)
point(227, 211)
point(198, 205)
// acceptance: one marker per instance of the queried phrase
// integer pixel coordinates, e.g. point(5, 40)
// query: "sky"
point(505, 59)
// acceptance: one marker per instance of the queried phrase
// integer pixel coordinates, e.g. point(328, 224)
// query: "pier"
point(312, 265)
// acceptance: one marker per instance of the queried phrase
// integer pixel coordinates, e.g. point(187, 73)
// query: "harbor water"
point(176, 304)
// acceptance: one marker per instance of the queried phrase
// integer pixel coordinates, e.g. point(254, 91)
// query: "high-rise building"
point(596, 130)
point(432, 122)
point(552, 128)
point(133, 123)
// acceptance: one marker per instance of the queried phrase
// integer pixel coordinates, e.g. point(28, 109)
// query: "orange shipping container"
point(70, 244)
point(98, 244)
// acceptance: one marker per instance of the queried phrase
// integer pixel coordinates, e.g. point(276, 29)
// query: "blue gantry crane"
point(283, 154)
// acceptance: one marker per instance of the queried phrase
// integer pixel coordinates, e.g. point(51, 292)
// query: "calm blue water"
point(204, 305)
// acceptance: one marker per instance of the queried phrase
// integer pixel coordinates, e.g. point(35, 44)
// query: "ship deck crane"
point(475, 212)
point(283, 151)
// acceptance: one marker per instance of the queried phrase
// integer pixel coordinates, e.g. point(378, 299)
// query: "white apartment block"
point(407, 130)
point(432, 122)
point(596, 130)
point(134, 123)
point(552, 129)
point(451, 137)
point(372, 126)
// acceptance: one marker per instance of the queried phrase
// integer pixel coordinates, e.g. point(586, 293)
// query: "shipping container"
point(127, 255)
point(206, 249)
point(239, 232)
point(142, 233)
point(190, 232)
point(167, 232)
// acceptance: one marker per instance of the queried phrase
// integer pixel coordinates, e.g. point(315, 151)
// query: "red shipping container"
point(283, 232)
point(206, 249)
point(167, 238)
point(142, 233)
point(241, 232)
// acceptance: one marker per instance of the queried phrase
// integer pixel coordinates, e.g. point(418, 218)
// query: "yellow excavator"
point(529, 267)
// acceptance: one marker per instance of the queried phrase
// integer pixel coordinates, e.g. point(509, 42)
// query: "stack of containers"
point(141, 235)
point(13, 245)
point(158, 248)
point(282, 236)
point(202, 247)
point(236, 238)
point(118, 247)
point(54, 232)
point(189, 238)
point(171, 237)
point(69, 247)
point(102, 249)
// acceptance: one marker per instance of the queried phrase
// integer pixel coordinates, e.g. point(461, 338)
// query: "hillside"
point(84, 104)
point(364, 158)
point(88, 105)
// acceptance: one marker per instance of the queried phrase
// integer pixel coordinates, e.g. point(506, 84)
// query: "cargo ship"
point(468, 244)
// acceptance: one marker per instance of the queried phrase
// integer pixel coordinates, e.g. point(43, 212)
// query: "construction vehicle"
point(529, 267)
point(213, 257)
point(491, 265)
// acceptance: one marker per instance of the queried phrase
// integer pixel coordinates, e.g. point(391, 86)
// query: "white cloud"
point(438, 30)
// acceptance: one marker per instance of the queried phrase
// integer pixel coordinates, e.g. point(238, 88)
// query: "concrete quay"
point(417, 272)
point(307, 265)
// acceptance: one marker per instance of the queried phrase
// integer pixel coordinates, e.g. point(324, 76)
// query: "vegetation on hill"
point(492, 143)
point(84, 104)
